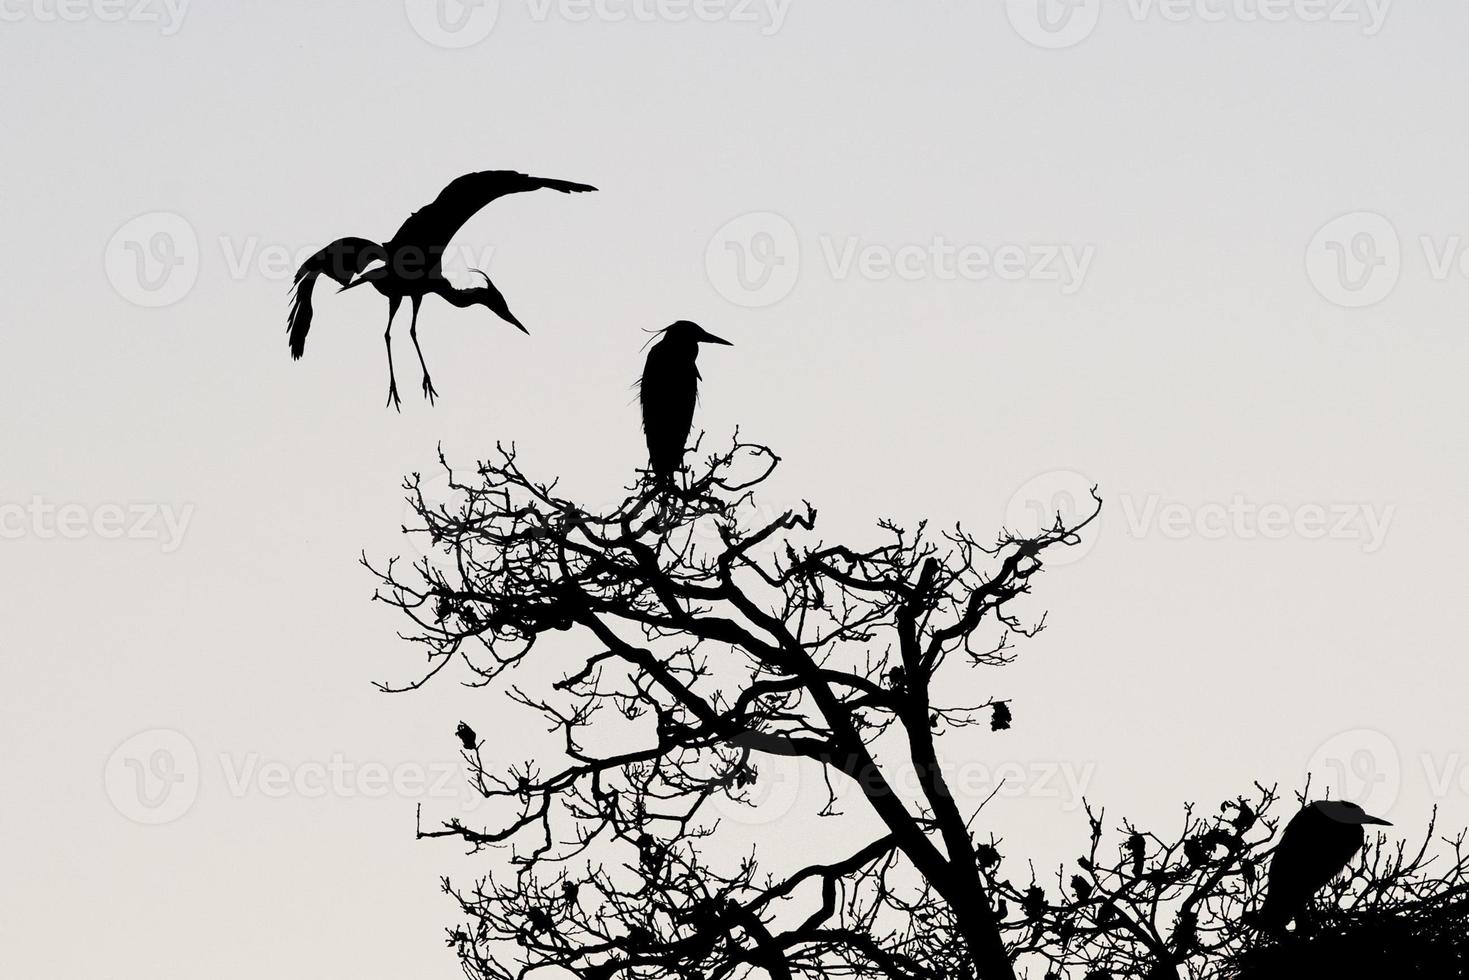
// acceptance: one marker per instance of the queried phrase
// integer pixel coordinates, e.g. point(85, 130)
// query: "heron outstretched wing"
point(430, 227)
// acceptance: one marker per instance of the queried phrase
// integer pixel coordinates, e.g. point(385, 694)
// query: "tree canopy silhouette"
point(681, 640)
point(1190, 903)
point(714, 641)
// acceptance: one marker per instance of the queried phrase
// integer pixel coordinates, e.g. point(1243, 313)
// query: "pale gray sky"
point(971, 257)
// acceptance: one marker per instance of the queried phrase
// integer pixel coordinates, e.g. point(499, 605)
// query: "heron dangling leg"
point(428, 385)
point(393, 401)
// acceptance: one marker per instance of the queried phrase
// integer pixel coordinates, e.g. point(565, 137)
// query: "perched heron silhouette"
point(410, 265)
point(669, 389)
point(1317, 845)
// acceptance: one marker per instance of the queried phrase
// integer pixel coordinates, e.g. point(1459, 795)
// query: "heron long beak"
point(709, 338)
point(1376, 820)
point(510, 318)
point(503, 312)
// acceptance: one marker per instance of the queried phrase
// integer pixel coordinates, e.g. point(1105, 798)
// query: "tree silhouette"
point(680, 640)
point(1186, 904)
point(710, 638)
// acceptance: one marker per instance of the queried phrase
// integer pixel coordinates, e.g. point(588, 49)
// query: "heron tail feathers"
point(340, 261)
point(299, 321)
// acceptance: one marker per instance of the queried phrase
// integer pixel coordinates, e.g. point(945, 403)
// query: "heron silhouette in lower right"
point(669, 390)
point(1317, 845)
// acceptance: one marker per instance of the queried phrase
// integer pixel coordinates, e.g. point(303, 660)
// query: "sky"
point(1208, 255)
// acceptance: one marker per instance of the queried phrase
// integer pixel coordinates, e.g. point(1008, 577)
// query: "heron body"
point(410, 264)
point(669, 390)
point(1317, 845)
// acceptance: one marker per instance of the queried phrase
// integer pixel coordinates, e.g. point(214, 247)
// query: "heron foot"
point(428, 389)
point(393, 400)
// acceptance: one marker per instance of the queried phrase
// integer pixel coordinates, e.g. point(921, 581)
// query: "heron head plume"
point(1347, 813)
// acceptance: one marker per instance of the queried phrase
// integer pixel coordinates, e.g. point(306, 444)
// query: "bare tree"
point(708, 640)
point(1184, 903)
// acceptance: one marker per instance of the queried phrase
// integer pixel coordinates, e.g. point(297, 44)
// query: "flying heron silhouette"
point(669, 389)
point(1317, 845)
point(410, 265)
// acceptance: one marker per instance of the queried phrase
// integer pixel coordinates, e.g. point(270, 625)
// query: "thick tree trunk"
point(986, 948)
